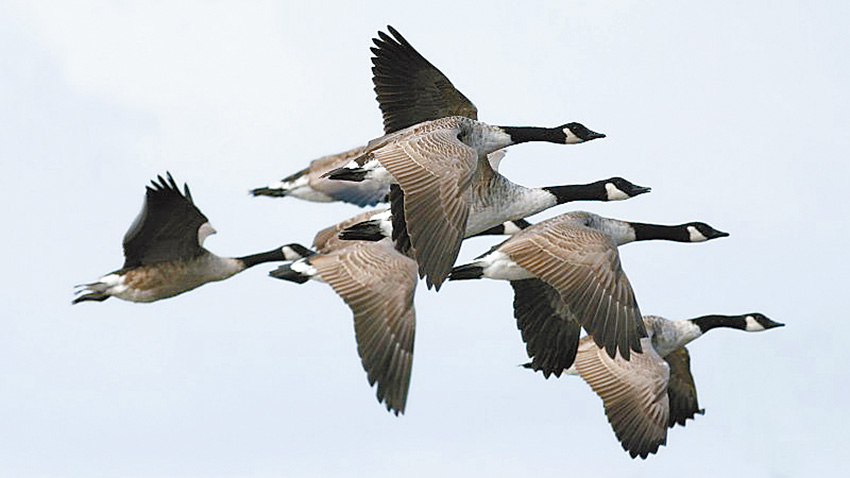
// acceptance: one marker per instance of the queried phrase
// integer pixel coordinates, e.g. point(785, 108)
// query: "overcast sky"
point(735, 113)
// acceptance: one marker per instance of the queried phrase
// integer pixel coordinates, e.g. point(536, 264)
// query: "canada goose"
point(378, 283)
point(440, 169)
point(570, 263)
point(164, 254)
point(653, 390)
point(506, 199)
point(409, 90)
point(309, 185)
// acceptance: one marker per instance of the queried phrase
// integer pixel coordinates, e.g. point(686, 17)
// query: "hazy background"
point(735, 113)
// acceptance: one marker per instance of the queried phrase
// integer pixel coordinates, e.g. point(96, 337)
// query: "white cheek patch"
point(204, 231)
point(290, 254)
point(613, 193)
point(753, 325)
point(695, 235)
point(571, 137)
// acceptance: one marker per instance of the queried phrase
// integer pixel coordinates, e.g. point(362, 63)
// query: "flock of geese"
point(437, 166)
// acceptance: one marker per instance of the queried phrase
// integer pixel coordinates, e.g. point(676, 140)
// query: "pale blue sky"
point(735, 113)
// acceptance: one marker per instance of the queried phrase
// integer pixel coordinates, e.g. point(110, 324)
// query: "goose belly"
point(160, 281)
point(488, 210)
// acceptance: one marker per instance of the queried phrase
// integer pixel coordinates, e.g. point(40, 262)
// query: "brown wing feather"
point(584, 266)
point(378, 285)
point(633, 392)
point(434, 169)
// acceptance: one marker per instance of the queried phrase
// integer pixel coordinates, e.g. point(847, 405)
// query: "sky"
point(735, 113)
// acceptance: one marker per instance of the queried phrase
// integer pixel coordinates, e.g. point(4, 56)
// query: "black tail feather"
point(363, 231)
point(466, 271)
point(285, 272)
point(346, 174)
point(93, 296)
point(271, 192)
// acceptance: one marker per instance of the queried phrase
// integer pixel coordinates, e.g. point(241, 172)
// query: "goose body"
point(309, 185)
point(653, 390)
point(566, 274)
point(164, 254)
point(409, 90)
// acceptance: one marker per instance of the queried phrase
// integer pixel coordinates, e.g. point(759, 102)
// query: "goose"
point(164, 254)
point(309, 185)
point(409, 90)
point(378, 283)
point(438, 169)
point(566, 274)
point(653, 390)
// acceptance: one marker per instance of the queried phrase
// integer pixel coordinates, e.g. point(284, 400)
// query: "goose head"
point(756, 322)
point(700, 232)
point(575, 133)
point(618, 189)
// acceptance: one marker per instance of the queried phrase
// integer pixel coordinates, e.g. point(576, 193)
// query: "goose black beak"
point(639, 190)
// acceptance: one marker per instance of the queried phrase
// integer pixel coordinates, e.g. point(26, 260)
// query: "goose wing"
point(633, 392)
point(168, 227)
point(682, 389)
point(550, 332)
point(583, 265)
point(409, 88)
point(434, 171)
point(378, 284)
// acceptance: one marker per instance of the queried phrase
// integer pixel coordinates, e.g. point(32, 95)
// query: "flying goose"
point(164, 254)
point(409, 90)
point(378, 283)
point(438, 169)
point(653, 390)
point(566, 274)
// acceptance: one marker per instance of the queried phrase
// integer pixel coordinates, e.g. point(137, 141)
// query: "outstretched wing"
point(682, 390)
point(583, 265)
point(634, 394)
point(409, 88)
point(168, 227)
point(548, 329)
point(378, 284)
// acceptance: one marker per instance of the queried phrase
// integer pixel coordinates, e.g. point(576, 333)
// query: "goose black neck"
point(524, 134)
point(708, 322)
point(270, 256)
point(648, 232)
point(578, 192)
